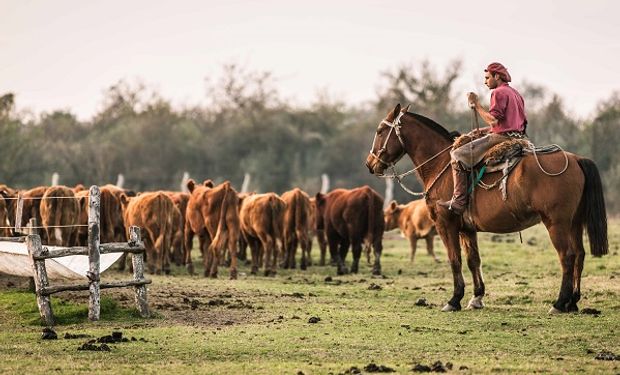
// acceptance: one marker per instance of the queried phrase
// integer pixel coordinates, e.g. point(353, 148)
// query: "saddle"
point(502, 157)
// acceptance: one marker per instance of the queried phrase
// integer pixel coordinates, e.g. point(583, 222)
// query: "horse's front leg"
point(469, 243)
point(448, 229)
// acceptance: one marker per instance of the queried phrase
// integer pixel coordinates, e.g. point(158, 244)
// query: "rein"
point(395, 126)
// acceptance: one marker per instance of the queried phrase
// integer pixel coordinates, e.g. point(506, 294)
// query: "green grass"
point(513, 334)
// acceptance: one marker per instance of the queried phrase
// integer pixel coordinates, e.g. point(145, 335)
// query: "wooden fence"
point(39, 254)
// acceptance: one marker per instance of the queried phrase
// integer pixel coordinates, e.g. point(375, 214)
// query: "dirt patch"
point(178, 305)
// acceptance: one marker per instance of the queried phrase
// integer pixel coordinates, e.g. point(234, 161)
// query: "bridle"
point(395, 127)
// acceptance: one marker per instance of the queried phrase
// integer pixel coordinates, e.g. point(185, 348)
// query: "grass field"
point(258, 325)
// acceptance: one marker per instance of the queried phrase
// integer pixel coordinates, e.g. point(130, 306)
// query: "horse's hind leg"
point(561, 238)
point(577, 242)
point(469, 242)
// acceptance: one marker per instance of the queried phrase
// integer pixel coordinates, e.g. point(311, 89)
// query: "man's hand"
point(472, 100)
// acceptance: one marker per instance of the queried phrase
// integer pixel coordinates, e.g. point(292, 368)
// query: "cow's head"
point(391, 215)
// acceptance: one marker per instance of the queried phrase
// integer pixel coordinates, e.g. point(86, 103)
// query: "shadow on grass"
point(23, 306)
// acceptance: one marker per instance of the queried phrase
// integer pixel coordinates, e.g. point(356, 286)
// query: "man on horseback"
point(506, 119)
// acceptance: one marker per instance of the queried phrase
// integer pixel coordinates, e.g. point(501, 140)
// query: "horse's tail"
point(594, 208)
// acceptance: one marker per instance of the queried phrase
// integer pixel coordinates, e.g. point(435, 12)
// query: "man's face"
point(490, 80)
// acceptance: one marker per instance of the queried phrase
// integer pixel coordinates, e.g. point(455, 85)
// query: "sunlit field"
point(314, 322)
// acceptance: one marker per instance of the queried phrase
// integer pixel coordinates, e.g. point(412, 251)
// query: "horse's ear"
point(395, 112)
point(393, 205)
point(407, 108)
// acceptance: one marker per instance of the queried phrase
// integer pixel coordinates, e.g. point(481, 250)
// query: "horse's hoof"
point(475, 303)
point(449, 308)
point(554, 311)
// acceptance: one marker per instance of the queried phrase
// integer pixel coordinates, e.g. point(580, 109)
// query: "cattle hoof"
point(303, 267)
point(554, 311)
point(449, 308)
point(190, 269)
point(475, 303)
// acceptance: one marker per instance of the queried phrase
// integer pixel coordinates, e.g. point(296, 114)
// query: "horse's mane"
point(450, 136)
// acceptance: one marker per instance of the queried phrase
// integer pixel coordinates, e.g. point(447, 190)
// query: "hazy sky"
point(63, 54)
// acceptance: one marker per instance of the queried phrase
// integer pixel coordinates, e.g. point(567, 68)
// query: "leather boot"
point(458, 203)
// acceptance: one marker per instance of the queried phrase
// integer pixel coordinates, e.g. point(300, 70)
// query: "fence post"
point(94, 303)
point(33, 242)
point(137, 260)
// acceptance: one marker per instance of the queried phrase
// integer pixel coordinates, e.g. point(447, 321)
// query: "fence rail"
point(39, 254)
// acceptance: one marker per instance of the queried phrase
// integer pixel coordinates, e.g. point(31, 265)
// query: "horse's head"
point(388, 146)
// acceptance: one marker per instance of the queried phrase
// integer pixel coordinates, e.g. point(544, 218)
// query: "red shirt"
point(508, 107)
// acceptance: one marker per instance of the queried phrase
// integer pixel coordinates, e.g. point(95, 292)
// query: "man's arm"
point(474, 103)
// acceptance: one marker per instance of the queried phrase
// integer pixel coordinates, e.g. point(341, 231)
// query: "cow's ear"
point(393, 205)
point(208, 183)
point(124, 199)
point(83, 201)
point(319, 197)
point(190, 185)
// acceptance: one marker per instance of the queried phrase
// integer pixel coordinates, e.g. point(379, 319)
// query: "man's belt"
point(515, 134)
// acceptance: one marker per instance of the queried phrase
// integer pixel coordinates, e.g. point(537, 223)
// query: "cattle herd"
point(226, 223)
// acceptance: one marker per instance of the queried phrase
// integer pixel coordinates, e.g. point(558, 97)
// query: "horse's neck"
point(428, 153)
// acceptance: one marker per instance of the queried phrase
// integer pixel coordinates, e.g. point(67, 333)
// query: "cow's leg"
point(207, 258)
point(413, 243)
point(255, 251)
point(378, 249)
point(232, 249)
point(469, 243)
point(448, 228)
point(293, 253)
point(271, 255)
point(430, 247)
point(305, 253)
point(356, 247)
point(342, 255)
point(188, 239)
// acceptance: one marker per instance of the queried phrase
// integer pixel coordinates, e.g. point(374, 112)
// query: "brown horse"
point(565, 204)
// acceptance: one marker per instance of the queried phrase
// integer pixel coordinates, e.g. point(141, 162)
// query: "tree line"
point(246, 126)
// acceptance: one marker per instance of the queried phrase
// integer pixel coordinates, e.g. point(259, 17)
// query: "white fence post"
point(94, 303)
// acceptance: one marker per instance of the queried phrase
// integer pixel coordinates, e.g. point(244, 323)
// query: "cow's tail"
point(162, 243)
point(221, 235)
point(371, 216)
point(300, 219)
point(593, 201)
point(276, 225)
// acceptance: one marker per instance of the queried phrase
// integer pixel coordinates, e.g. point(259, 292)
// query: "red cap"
point(497, 68)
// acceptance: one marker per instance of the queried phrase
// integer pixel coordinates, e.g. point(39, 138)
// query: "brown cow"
point(117, 216)
point(152, 213)
point(59, 215)
point(349, 217)
point(213, 214)
point(414, 222)
point(195, 223)
point(180, 201)
point(4, 218)
point(297, 226)
point(8, 196)
point(30, 208)
point(110, 214)
point(319, 233)
point(261, 218)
